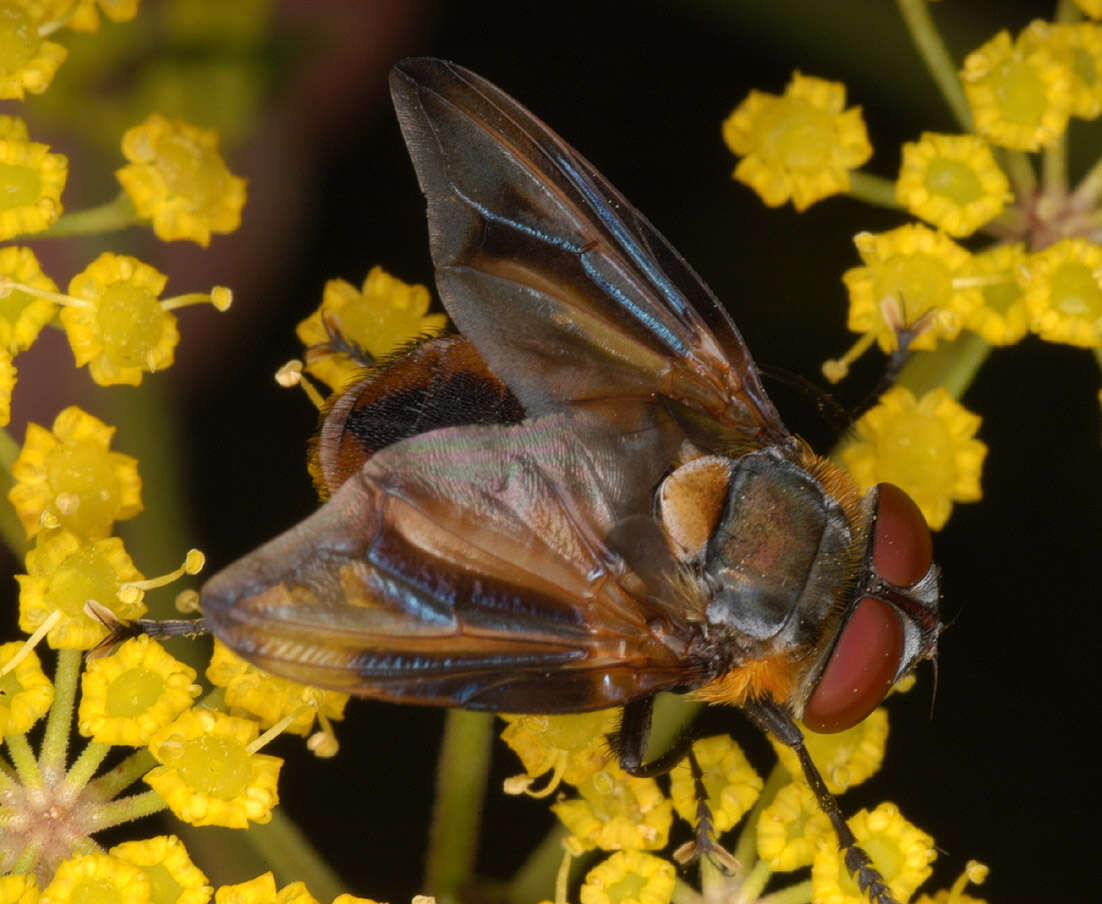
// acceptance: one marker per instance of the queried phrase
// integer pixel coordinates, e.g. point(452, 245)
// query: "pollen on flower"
point(791, 828)
point(901, 853)
point(571, 748)
point(177, 178)
point(271, 698)
point(22, 315)
point(64, 572)
point(1020, 92)
point(379, 319)
point(208, 776)
point(96, 877)
point(799, 146)
point(926, 446)
point(629, 877)
point(173, 878)
point(70, 475)
point(1063, 292)
point(730, 781)
point(952, 181)
point(28, 62)
point(31, 180)
point(616, 812)
point(1003, 318)
point(845, 758)
point(130, 695)
point(923, 271)
point(25, 692)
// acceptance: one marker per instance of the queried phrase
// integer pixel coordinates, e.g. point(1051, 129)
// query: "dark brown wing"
point(469, 567)
point(567, 291)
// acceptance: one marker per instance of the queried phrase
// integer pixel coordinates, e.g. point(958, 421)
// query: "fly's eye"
point(902, 550)
point(861, 668)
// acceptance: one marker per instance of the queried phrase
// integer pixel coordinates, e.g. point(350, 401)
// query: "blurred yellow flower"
point(22, 315)
point(629, 877)
point(31, 181)
point(1063, 292)
point(25, 693)
point(28, 62)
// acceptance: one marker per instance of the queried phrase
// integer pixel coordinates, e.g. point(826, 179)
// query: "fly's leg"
point(630, 744)
point(771, 718)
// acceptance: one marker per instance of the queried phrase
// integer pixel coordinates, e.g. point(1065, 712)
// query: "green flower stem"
point(461, 772)
point(293, 856)
point(81, 772)
point(1020, 171)
point(754, 883)
point(872, 189)
point(800, 893)
point(22, 757)
point(28, 857)
point(113, 783)
point(1090, 189)
point(116, 214)
point(916, 15)
point(127, 809)
point(683, 893)
point(55, 741)
point(532, 881)
point(952, 364)
point(1054, 169)
point(11, 530)
point(1067, 12)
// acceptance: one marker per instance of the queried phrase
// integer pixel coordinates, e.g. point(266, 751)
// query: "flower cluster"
point(1031, 248)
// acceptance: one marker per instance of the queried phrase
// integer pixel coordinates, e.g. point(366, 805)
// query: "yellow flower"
point(295, 893)
point(910, 270)
point(1080, 46)
point(28, 62)
point(791, 829)
point(974, 872)
point(571, 748)
point(616, 812)
point(1092, 8)
point(31, 181)
point(629, 877)
point(173, 878)
point(26, 694)
point(729, 779)
point(952, 181)
point(7, 385)
point(899, 851)
point(926, 447)
point(96, 877)
point(135, 692)
point(177, 178)
point(18, 889)
point(1063, 291)
point(209, 774)
point(801, 145)
point(844, 758)
point(1003, 318)
point(270, 698)
point(261, 890)
point(63, 573)
point(381, 318)
point(83, 15)
point(67, 477)
point(23, 315)
point(1020, 93)
point(117, 325)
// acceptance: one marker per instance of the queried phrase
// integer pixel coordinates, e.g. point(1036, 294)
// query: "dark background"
point(1004, 771)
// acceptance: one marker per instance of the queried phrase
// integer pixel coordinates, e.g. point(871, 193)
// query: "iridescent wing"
point(567, 291)
point(473, 567)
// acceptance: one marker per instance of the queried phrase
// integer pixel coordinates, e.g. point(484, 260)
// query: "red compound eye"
point(902, 550)
point(861, 668)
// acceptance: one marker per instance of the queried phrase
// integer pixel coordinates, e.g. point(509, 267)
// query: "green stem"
point(294, 857)
point(1020, 170)
point(952, 364)
point(461, 773)
point(113, 783)
point(873, 190)
point(22, 757)
point(81, 772)
point(1067, 12)
point(683, 893)
point(800, 893)
point(537, 875)
point(747, 845)
point(757, 880)
point(127, 809)
point(1054, 169)
point(119, 213)
point(1090, 188)
point(55, 741)
point(916, 15)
